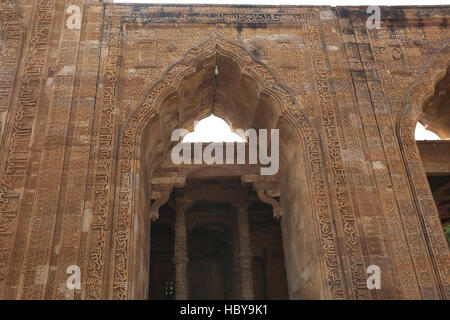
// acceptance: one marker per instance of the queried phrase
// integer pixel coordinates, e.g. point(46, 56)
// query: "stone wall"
point(80, 76)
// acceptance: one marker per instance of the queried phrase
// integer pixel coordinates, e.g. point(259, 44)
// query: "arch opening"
point(423, 134)
point(212, 129)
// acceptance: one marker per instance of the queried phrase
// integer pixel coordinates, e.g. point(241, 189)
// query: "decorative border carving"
point(148, 109)
point(417, 94)
point(18, 155)
point(103, 177)
point(353, 245)
point(11, 46)
point(141, 16)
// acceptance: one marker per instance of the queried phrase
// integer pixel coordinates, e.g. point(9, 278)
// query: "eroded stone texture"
point(90, 93)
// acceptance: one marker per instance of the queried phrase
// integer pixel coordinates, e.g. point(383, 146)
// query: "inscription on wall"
point(19, 140)
point(10, 46)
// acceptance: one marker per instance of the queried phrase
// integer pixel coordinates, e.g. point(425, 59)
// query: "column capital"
point(246, 255)
point(183, 204)
point(240, 202)
point(239, 198)
point(180, 260)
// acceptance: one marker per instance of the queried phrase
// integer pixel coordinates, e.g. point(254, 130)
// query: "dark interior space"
point(440, 187)
point(210, 246)
point(162, 271)
point(213, 251)
point(269, 274)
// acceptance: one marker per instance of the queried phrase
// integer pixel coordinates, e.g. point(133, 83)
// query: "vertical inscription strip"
point(11, 45)
point(10, 53)
point(73, 219)
point(363, 155)
point(19, 141)
point(352, 241)
point(103, 176)
point(51, 164)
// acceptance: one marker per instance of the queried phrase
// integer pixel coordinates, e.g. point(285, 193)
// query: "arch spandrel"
point(424, 86)
point(149, 108)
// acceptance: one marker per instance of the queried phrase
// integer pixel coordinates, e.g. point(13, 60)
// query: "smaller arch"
point(422, 88)
point(205, 131)
point(422, 133)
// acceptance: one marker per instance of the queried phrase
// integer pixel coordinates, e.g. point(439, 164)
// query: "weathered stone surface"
point(90, 93)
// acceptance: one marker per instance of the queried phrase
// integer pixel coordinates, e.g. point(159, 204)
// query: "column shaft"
point(245, 255)
point(180, 257)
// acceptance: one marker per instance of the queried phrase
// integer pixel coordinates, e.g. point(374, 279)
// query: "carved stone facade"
point(90, 93)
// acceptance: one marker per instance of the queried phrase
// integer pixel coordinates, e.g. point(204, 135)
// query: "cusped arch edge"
point(331, 265)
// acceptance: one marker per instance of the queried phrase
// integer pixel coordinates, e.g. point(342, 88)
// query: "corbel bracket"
point(161, 197)
point(273, 202)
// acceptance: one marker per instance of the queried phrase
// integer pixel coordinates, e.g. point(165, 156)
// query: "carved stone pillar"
point(180, 257)
point(245, 255)
point(236, 269)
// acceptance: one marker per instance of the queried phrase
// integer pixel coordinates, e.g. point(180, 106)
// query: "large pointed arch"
point(123, 276)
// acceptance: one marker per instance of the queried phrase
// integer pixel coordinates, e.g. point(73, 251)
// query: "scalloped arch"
point(423, 88)
point(170, 79)
point(125, 198)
